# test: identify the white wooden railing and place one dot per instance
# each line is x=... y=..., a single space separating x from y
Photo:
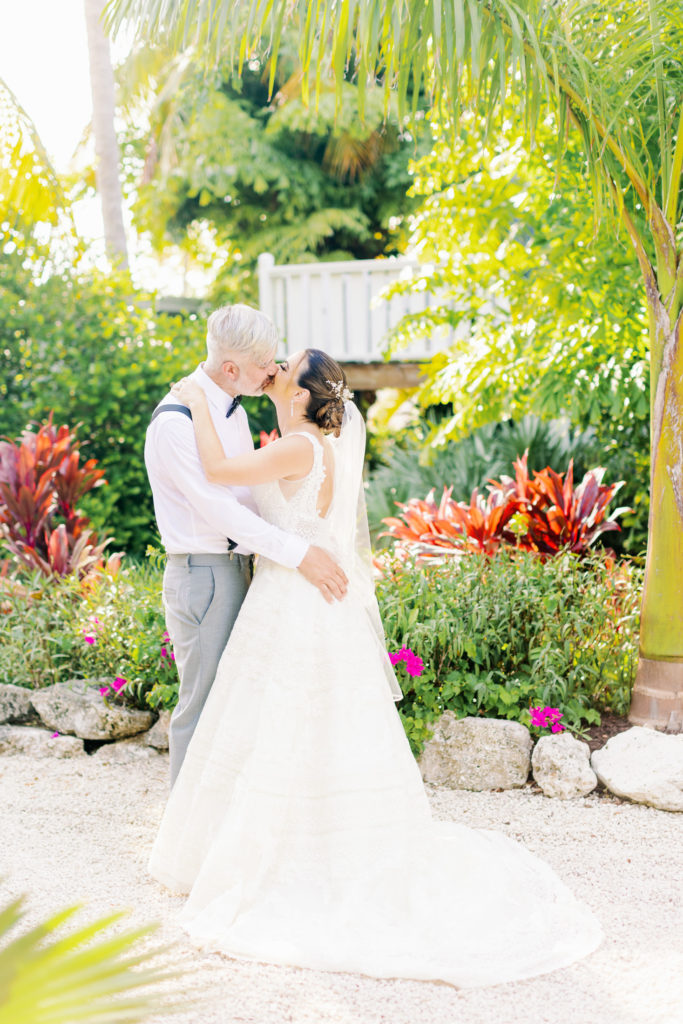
x=337 y=307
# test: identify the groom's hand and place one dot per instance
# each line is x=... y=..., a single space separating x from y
x=320 y=569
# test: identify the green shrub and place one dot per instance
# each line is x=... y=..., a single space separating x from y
x=498 y=635
x=90 y=349
x=105 y=627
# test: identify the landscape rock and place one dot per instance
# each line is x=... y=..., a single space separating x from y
x=157 y=736
x=477 y=754
x=643 y=765
x=15 y=705
x=78 y=708
x=26 y=739
x=561 y=766
x=125 y=751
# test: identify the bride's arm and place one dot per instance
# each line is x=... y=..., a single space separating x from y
x=288 y=456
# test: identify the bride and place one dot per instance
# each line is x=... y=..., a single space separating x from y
x=299 y=825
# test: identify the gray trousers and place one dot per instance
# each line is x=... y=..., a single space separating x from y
x=202 y=596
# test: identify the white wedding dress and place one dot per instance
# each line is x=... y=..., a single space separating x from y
x=299 y=825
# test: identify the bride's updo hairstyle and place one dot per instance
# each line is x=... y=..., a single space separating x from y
x=324 y=378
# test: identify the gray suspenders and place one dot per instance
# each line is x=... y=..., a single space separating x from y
x=170 y=407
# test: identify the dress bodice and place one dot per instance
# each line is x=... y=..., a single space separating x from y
x=297 y=511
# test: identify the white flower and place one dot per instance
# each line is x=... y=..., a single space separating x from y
x=340 y=390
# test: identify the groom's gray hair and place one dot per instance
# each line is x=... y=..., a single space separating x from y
x=239 y=328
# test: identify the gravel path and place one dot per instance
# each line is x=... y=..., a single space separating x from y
x=78 y=832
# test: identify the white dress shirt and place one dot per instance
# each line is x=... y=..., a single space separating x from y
x=194 y=516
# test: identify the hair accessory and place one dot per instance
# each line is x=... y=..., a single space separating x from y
x=340 y=390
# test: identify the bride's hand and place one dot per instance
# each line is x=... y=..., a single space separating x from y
x=187 y=391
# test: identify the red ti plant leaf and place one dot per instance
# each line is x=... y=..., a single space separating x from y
x=41 y=479
x=545 y=514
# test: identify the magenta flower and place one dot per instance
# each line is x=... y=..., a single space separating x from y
x=164 y=652
x=119 y=683
x=89 y=639
x=414 y=664
x=544 y=718
x=54 y=735
x=538 y=717
x=103 y=690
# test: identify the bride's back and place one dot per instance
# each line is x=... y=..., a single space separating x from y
x=300 y=506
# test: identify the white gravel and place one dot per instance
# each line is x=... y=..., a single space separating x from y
x=74 y=831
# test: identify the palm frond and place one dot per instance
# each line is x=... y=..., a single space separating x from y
x=617 y=67
x=91 y=974
x=30 y=190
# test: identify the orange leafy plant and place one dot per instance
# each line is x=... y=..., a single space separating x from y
x=545 y=514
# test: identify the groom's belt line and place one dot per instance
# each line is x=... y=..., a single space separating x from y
x=218 y=558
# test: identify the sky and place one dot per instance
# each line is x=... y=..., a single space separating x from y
x=44 y=61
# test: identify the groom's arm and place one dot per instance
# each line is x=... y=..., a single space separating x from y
x=175 y=458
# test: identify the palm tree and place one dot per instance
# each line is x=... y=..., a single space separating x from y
x=30 y=191
x=106 y=142
x=611 y=72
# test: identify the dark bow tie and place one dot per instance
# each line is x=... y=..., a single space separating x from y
x=233 y=405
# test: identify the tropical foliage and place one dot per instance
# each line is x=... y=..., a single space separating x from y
x=109 y=626
x=34 y=207
x=94 y=974
x=613 y=74
x=91 y=351
x=546 y=514
x=561 y=633
x=408 y=464
x=227 y=171
x=546 y=304
x=41 y=482
x=30 y=191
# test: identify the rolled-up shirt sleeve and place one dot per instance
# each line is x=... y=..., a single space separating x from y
x=175 y=460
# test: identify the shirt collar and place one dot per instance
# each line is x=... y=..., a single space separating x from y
x=216 y=396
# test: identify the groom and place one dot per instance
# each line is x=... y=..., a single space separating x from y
x=209 y=531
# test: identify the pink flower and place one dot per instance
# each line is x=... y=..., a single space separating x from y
x=54 y=735
x=91 y=631
x=103 y=690
x=119 y=683
x=414 y=664
x=164 y=652
x=544 y=717
x=172 y=656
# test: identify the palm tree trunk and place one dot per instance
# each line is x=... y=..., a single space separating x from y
x=658 y=693
x=106 y=143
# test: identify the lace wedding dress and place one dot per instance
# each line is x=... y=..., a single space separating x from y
x=299 y=825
